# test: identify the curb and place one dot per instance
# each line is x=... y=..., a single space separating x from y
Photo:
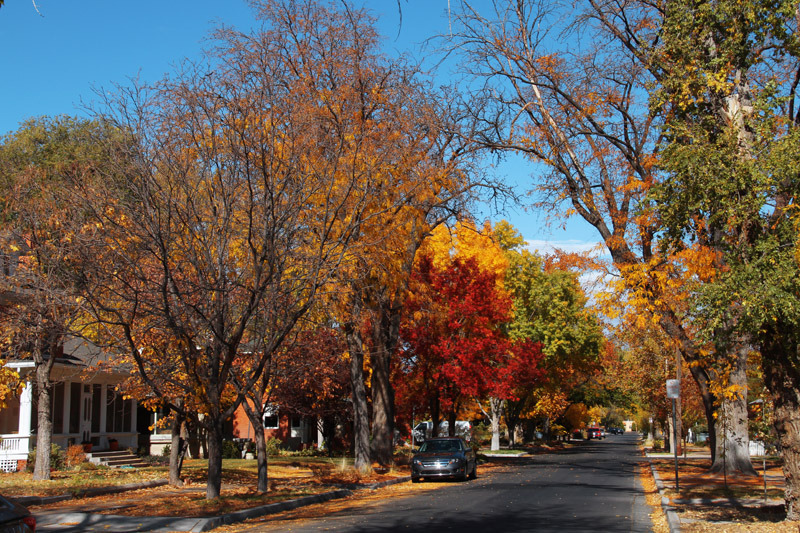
x=253 y=512
x=206 y=524
x=673 y=521
x=727 y=502
x=197 y=525
x=99 y=491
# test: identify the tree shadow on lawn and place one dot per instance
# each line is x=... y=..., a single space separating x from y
x=774 y=513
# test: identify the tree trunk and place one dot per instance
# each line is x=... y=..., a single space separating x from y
x=329 y=434
x=214 y=484
x=386 y=334
x=513 y=416
x=361 y=449
x=255 y=417
x=496 y=412
x=435 y=414
x=512 y=432
x=451 y=424
x=519 y=433
x=783 y=381
x=701 y=378
x=668 y=438
x=262 y=460
x=672 y=327
x=177 y=447
x=732 y=453
x=194 y=440
x=44 y=428
x=382 y=445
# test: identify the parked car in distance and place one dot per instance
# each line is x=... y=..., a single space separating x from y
x=616 y=431
x=424 y=430
x=14 y=518
x=444 y=457
x=594 y=433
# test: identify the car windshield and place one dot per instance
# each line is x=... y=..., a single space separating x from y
x=440 y=446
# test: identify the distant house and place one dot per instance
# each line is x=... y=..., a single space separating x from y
x=85 y=407
x=295 y=432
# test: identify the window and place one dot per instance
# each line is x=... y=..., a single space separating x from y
x=97 y=390
x=118 y=413
x=9 y=419
x=57 y=410
x=271 y=420
x=74 y=407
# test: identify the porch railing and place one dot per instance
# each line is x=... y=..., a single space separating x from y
x=14 y=444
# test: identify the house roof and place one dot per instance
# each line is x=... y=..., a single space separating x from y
x=78 y=353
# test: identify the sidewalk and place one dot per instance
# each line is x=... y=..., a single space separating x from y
x=81 y=518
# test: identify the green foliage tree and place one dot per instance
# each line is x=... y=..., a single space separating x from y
x=549 y=308
x=728 y=88
x=581 y=116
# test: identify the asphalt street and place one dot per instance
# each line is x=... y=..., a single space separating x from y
x=593 y=486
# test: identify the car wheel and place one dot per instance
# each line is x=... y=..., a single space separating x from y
x=474 y=472
x=416 y=479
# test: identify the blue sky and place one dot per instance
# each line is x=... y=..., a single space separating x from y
x=52 y=60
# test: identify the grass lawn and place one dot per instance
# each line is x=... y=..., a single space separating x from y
x=289 y=478
x=74 y=481
x=696 y=482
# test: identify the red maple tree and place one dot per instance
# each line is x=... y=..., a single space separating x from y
x=454 y=346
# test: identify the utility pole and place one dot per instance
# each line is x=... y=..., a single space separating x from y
x=677 y=406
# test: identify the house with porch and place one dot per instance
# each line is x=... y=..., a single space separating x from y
x=86 y=408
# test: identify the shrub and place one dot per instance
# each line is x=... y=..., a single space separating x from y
x=311 y=451
x=481 y=434
x=166 y=450
x=75 y=456
x=57 y=458
x=155 y=460
x=87 y=466
x=273 y=446
x=230 y=450
x=558 y=431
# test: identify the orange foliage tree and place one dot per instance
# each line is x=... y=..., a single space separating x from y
x=251 y=176
x=43 y=237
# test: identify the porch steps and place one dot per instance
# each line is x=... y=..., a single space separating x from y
x=115 y=459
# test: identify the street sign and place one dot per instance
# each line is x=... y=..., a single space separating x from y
x=673 y=388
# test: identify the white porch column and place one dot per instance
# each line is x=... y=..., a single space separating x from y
x=320 y=437
x=25 y=406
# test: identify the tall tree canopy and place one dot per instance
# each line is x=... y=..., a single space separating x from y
x=45 y=238
x=728 y=80
x=252 y=176
x=581 y=115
